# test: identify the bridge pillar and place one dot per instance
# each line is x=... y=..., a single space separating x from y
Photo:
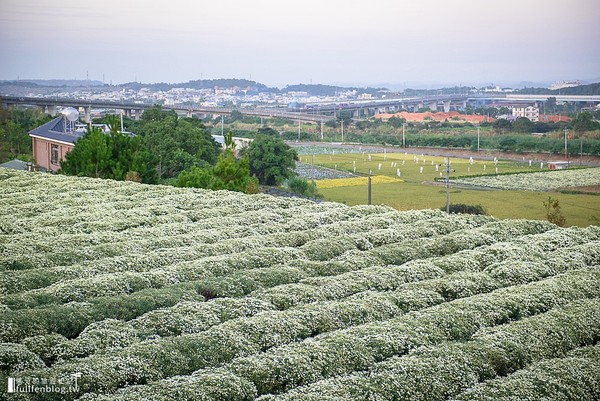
x=87 y=113
x=446 y=106
x=138 y=113
x=127 y=113
x=189 y=113
x=433 y=106
x=420 y=105
x=50 y=110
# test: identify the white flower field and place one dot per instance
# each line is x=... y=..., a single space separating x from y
x=161 y=293
x=540 y=181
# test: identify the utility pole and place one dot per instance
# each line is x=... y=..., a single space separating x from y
x=447 y=179
x=298 y=131
x=566 y=153
x=369 y=188
x=342 y=130
x=321 y=130
x=403 y=141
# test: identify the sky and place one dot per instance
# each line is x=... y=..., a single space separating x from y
x=278 y=42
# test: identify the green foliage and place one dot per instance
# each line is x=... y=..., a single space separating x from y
x=501 y=123
x=584 y=122
x=176 y=144
x=15 y=123
x=553 y=212
x=229 y=173
x=113 y=156
x=465 y=209
x=523 y=125
x=268 y=131
x=271 y=160
x=301 y=186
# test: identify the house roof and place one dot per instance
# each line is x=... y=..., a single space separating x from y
x=15 y=164
x=55 y=130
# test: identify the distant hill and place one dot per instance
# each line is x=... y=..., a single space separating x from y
x=443 y=91
x=327 y=90
x=590 y=89
x=228 y=83
x=52 y=82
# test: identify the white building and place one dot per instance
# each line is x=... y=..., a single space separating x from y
x=564 y=84
x=530 y=112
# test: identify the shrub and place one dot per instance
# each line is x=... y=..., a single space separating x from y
x=465 y=209
x=301 y=186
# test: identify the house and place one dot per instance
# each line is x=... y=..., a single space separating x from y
x=527 y=111
x=53 y=140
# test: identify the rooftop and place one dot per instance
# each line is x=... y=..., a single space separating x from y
x=58 y=130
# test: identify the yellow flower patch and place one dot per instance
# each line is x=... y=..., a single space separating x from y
x=354 y=181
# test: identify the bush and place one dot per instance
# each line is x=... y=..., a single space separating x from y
x=465 y=209
x=301 y=186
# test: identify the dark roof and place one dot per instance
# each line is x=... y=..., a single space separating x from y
x=15 y=165
x=55 y=130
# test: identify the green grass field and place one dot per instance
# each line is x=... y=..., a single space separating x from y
x=414 y=190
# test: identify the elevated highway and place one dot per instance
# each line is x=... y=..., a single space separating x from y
x=50 y=105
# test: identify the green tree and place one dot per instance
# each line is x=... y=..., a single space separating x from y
x=15 y=124
x=396 y=122
x=271 y=160
x=523 y=125
x=268 y=131
x=176 y=144
x=91 y=156
x=501 y=123
x=229 y=173
x=112 y=155
x=584 y=122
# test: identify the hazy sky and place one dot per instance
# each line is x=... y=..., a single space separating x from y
x=280 y=42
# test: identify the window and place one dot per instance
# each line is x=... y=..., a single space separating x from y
x=54 y=154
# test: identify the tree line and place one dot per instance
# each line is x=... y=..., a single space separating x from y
x=179 y=151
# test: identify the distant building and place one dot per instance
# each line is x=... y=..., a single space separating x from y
x=564 y=84
x=558 y=165
x=527 y=111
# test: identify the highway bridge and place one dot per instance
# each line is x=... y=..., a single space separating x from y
x=315 y=112
x=50 y=105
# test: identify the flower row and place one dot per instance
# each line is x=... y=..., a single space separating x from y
x=537 y=181
x=445 y=370
x=331 y=354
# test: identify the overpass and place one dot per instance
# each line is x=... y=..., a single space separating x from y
x=370 y=107
x=435 y=102
x=135 y=109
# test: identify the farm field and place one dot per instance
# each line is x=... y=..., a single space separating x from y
x=414 y=189
x=124 y=291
